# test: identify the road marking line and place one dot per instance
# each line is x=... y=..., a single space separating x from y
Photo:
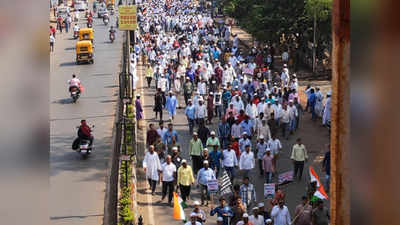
x=148 y=196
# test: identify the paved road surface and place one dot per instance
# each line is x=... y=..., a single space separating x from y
x=77 y=185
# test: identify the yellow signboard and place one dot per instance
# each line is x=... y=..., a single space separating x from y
x=127 y=17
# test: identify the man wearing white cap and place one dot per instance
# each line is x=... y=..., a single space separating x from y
x=168 y=175
x=185 y=179
x=256 y=218
x=200 y=214
x=326 y=117
x=204 y=175
x=187 y=90
x=246 y=162
x=201 y=111
x=193 y=220
x=152 y=168
x=245 y=220
x=213 y=142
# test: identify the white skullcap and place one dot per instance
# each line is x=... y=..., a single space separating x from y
x=245 y=215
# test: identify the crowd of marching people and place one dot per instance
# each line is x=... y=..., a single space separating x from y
x=186 y=53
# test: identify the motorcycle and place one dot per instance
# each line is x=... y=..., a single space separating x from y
x=76 y=34
x=74 y=94
x=89 y=24
x=85 y=149
x=112 y=37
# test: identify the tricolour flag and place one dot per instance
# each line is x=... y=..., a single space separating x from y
x=320 y=192
x=178 y=214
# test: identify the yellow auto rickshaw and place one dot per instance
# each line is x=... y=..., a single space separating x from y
x=84 y=51
x=86 y=34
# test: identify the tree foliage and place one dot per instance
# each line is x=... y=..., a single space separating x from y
x=287 y=20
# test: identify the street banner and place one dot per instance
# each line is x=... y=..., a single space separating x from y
x=212 y=186
x=127 y=17
x=285 y=177
x=269 y=190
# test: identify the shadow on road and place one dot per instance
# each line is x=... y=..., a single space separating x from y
x=70 y=48
x=63 y=101
x=68 y=64
x=73 y=217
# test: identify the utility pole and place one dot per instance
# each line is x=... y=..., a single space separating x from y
x=314 y=40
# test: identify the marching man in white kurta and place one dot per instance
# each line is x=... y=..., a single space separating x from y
x=152 y=167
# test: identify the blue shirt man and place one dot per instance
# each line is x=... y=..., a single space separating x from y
x=247 y=126
x=167 y=139
x=190 y=112
x=204 y=175
x=222 y=211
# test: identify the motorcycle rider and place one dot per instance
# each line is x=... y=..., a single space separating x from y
x=89 y=21
x=112 y=31
x=76 y=30
x=85 y=132
x=74 y=82
x=106 y=16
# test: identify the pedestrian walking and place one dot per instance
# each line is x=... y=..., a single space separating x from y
x=212 y=142
x=274 y=144
x=149 y=74
x=190 y=113
x=139 y=109
x=200 y=214
x=246 y=162
x=168 y=175
x=320 y=215
x=248 y=193
x=280 y=214
x=303 y=213
x=224 y=133
x=152 y=168
x=185 y=179
x=195 y=150
x=52 y=41
x=261 y=149
x=299 y=157
x=222 y=210
x=326 y=166
x=171 y=105
x=268 y=166
x=229 y=161
x=215 y=164
x=159 y=102
x=204 y=175
x=245 y=220
x=257 y=218
x=151 y=135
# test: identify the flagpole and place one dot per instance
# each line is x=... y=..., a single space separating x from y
x=302 y=210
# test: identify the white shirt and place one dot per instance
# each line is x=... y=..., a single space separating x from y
x=275 y=146
x=201 y=111
x=246 y=161
x=168 y=171
x=76 y=28
x=280 y=216
x=292 y=112
x=260 y=107
x=74 y=82
x=152 y=164
x=236 y=130
x=162 y=132
x=277 y=111
x=285 y=116
x=52 y=39
x=229 y=158
x=238 y=105
x=190 y=223
x=257 y=221
x=251 y=111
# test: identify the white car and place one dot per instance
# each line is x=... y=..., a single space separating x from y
x=80 y=6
